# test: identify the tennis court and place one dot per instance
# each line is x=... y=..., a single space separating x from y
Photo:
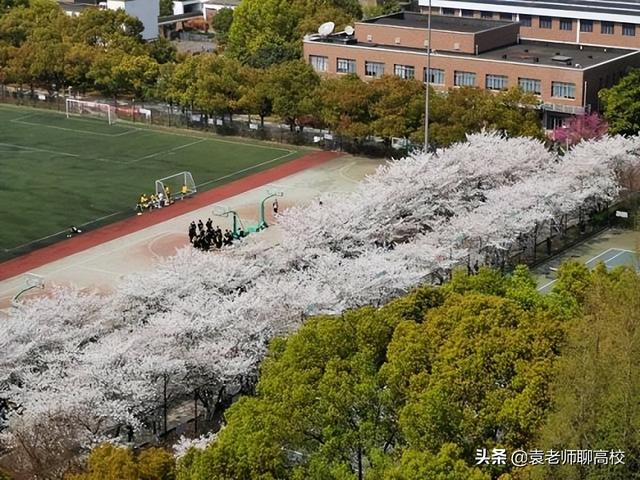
x=58 y=171
x=612 y=258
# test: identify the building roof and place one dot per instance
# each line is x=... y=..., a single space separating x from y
x=438 y=22
x=556 y=54
x=527 y=52
x=611 y=9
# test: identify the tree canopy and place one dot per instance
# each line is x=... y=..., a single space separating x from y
x=622 y=104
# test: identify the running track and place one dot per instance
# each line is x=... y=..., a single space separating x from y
x=90 y=239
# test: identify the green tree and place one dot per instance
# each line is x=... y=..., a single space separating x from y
x=383 y=7
x=402 y=392
x=597 y=380
x=220 y=81
x=256 y=94
x=466 y=110
x=109 y=462
x=292 y=85
x=398 y=107
x=166 y=8
x=265 y=32
x=345 y=104
x=221 y=25
x=622 y=104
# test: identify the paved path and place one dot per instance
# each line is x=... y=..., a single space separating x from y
x=98 y=259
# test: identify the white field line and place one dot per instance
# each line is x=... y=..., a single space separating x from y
x=33 y=149
x=74 y=130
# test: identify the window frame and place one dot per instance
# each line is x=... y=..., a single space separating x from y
x=436 y=73
x=318 y=57
x=368 y=64
x=542 y=22
x=494 y=76
x=564 y=22
x=405 y=69
x=463 y=74
x=350 y=61
x=565 y=88
x=533 y=81
x=604 y=28
x=629 y=27
x=584 y=24
x=525 y=20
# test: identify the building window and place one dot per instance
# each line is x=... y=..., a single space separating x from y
x=628 y=30
x=373 y=69
x=563 y=90
x=437 y=76
x=486 y=14
x=530 y=85
x=318 y=63
x=525 y=20
x=346 y=65
x=448 y=11
x=545 y=22
x=606 y=28
x=566 y=24
x=405 y=71
x=496 y=82
x=586 y=25
x=464 y=79
x=506 y=16
x=466 y=13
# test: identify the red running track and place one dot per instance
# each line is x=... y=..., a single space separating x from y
x=71 y=246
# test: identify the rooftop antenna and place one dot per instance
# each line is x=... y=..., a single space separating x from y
x=326 y=29
x=349 y=30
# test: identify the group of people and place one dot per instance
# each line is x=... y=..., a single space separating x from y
x=158 y=199
x=204 y=236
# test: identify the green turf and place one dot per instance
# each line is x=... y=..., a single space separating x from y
x=56 y=172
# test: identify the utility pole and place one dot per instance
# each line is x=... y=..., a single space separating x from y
x=426 y=108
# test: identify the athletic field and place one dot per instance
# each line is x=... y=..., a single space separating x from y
x=57 y=172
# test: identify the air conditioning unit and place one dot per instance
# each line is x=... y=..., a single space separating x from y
x=397 y=40
x=456 y=46
x=369 y=38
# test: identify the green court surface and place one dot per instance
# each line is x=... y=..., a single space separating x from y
x=56 y=171
x=612 y=257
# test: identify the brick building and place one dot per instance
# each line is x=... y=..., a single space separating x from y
x=587 y=22
x=476 y=52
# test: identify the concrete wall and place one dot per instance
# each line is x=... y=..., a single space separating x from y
x=145 y=10
x=440 y=40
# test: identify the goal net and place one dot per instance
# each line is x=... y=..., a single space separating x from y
x=179 y=185
x=92 y=109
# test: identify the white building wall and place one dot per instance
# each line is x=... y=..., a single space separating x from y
x=147 y=11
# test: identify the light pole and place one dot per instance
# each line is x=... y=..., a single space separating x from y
x=426 y=106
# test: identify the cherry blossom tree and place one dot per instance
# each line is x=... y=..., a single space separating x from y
x=199 y=324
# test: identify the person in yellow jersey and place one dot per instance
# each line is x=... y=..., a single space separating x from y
x=167 y=193
x=184 y=191
x=141 y=203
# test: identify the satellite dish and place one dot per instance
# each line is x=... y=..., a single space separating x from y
x=349 y=30
x=326 y=29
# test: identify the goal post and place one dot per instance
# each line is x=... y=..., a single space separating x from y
x=179 y=185
x=92 y=109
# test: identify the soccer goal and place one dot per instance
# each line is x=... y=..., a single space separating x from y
x=92 y=109
x=179 y=185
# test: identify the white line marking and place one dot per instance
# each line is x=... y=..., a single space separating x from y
x=598 y=256
x=33 y=149
x=621 y=252
x=60 y=232
x=547 y=285
x=22 y=122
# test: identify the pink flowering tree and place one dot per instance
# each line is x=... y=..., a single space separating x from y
x=581 y=127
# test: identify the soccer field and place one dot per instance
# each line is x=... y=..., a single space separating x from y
x=57 y=172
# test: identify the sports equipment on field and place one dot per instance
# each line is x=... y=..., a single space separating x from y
x=175 y=183
x=92 y=109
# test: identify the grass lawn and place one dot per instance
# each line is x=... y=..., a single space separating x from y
x=57 y=172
